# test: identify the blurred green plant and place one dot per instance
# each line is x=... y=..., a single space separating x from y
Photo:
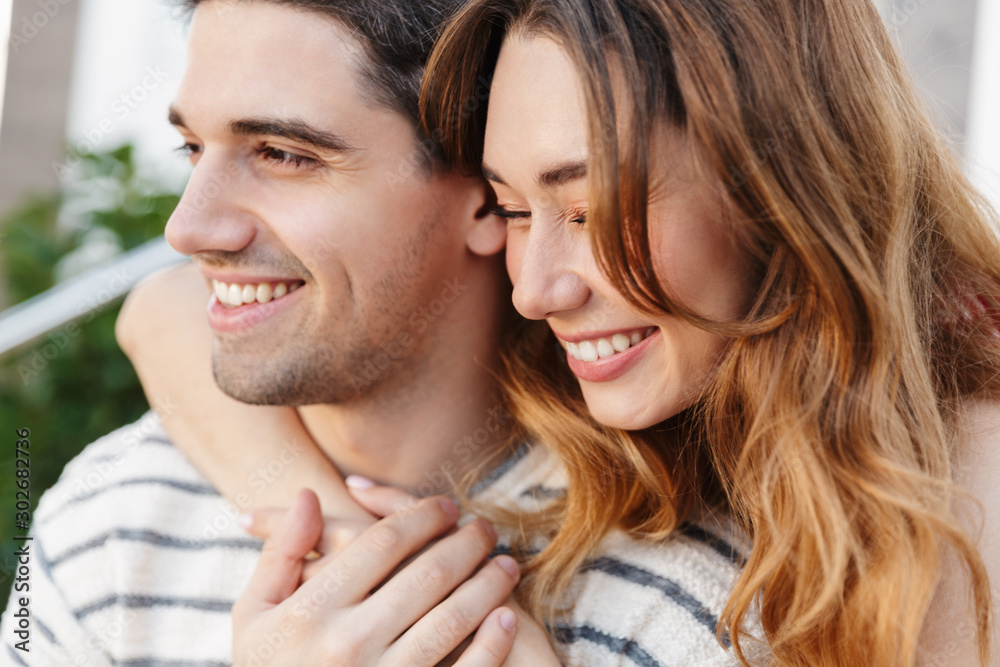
x=89 y=388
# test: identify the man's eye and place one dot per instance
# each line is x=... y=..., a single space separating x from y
x=284 y=158
x=509 y=215
x=188 y=150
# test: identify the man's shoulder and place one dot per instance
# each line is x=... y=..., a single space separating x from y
x=134 y=482
x=135 y=455
x=131 y=538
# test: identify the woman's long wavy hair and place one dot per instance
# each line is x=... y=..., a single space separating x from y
x=831 y=424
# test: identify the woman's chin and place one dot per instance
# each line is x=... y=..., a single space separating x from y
x=624 y=411
x=626 y=417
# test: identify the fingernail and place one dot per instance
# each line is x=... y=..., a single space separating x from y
x=245 y=521
x=449 y=506
x=358 y=482
x=508 y=620
x=509 y=565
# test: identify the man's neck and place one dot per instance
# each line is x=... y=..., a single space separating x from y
x=424 y=445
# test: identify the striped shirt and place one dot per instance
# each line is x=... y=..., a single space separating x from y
x=137 y=559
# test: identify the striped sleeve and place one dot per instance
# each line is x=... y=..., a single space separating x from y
x=635 y=602
x=649 y=604
x=137 y=560
x=55 y=636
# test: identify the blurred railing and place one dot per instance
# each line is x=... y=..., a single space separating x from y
x=85 y=294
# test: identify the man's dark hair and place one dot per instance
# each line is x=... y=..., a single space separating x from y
x=397 y=36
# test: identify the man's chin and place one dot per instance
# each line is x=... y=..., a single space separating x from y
x=253 y=393
x=275 y=387
x=255 y=388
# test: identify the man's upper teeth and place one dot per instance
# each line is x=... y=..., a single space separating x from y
x=237 y=294
x=602 y=348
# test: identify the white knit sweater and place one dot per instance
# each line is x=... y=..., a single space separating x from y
x=136 y=561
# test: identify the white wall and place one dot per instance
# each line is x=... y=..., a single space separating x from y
x=6 y=11
x=983 y=148
x=128 y=64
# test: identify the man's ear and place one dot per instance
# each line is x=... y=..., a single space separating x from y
x=487 y=233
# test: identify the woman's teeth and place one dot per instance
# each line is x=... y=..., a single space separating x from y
x=602 y=348
x=232 y=295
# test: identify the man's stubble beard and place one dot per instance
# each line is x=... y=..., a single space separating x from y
x=323 y=368
x=291 y=378
x=330 y=368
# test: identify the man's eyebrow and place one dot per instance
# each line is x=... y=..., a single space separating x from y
x=290 y=129
x=296 y=130
x=174 y=117
x=550 y=178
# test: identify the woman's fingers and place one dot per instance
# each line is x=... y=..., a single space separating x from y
x=532 y=646
x=493 y=641
x=447 y=625
x=377 y=499
x=337 y=534
x=433 y=594
x=433 y=575
x=280 y=567
x=369 y=559
x=261 y=523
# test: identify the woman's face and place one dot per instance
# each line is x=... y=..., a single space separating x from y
x=635 y=369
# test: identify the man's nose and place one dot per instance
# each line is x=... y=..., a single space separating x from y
x=550 y=280
x=211 y=215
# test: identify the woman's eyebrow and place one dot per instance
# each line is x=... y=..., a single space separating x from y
x=550 y=178
x=562 y=174
x=491 y=175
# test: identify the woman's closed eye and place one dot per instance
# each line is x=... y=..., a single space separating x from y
x=508 y=214
x=575 y=216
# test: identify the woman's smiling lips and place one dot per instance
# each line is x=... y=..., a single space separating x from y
x=605 y=356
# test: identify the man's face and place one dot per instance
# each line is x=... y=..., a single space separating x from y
x=308 y=206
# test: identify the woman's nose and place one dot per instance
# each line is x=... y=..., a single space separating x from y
x=547 y=278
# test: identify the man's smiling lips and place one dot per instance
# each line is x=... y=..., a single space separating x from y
x=233 y=295
x=243 y=302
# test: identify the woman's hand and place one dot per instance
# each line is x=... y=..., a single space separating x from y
x=337 y=532
x=532 y=645
x=352 y=612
